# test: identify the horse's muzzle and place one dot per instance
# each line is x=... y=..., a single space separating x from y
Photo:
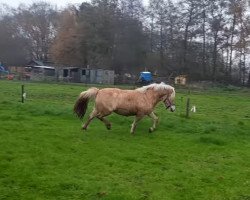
x=171 y=108
x=169 y=105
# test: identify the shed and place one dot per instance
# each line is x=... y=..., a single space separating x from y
x=86 y=75
x=180 y=80
x=42 y=73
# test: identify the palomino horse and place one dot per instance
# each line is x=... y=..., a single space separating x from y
x=139 y=103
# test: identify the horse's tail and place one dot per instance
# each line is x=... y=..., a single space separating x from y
x=82 y=101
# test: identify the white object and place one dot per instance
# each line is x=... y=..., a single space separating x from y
x=24 y=95
x=193 y=109
x=172 y=107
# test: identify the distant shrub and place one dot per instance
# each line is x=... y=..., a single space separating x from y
x=231 y=88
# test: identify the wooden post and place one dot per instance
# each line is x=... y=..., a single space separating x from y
x=22 y=97
x=188 y=107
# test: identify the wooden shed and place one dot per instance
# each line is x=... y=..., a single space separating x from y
x=180 y=80
x=42 y=73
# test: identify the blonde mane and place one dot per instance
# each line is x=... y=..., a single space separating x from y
x=155 y=86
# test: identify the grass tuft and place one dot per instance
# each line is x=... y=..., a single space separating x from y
x=211 y=140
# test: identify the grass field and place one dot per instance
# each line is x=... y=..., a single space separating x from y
x=45 y=155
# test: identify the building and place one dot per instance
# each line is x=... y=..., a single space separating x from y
x=42 y=73
x=180 y=80
x=39 y=71
x=86 y=75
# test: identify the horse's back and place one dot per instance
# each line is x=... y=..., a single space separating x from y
x=117 y=95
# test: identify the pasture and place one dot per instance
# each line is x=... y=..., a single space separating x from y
x=45 y=155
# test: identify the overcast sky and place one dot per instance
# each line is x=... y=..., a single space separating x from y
x=59 y=3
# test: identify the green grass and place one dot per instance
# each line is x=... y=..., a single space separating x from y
x=45 y=155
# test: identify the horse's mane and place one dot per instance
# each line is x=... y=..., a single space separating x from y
x=155 y=86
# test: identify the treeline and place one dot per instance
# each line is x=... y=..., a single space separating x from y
x=204 y=39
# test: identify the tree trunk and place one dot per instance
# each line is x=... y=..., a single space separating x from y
x=240 y=67
x=161 y=49
x=248 y=82
x=244 y=66
x=151 y=34
x=204 y=45
x=185 y=49
x=215 y=56
x=231 y=49
x=227 y=55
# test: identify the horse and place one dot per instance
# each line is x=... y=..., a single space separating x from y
x=139 y=102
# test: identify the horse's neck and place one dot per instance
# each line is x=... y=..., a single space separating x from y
x=154 y=96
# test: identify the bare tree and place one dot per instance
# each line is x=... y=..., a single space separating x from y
x=10 y=41
x=190 y=16
x=216 y=23
x=37 y=23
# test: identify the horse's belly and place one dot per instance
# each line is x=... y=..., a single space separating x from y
x=125 y=112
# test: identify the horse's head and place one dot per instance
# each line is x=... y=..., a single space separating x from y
x=165 y=93
x=169 y=103
x=168 y=98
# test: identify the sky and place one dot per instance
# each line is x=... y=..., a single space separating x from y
x=59 y=3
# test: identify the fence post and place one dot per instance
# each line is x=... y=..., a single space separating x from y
x=188 y=107
x=22 y=97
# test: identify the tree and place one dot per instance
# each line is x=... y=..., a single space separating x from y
x=204 y=24
x=190 y=15
x=133 y=8
x=242 y=42
x=101 y=35
x=216 y=23
x=97 y=23
x=37 y=23
x=65 y=49
x=157 y=12
x=10 y=41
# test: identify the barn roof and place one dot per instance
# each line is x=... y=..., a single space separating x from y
x=44 y=67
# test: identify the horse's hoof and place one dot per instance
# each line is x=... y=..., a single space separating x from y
x=150 y=130
x=109 y=127
x=84 y=128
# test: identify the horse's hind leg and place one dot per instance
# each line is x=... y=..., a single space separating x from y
x=155 y=121
x=105 y=121
x=136 y=120
x=91 y=117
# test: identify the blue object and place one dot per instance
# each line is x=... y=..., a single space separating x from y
x=146 y=76
x=3 y=70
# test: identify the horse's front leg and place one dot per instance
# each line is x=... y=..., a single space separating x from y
x=155 y=121
x=136 y=120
